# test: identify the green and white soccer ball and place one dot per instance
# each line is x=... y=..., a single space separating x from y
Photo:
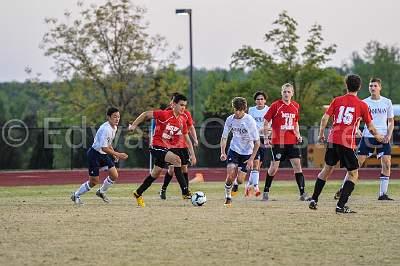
x=199 y=198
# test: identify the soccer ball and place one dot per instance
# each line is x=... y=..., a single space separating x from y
x=199 y=198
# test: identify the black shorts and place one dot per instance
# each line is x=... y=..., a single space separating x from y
x=346 y=156
x=97 y=160
x=261 y=151
x=183 y=153
x=281 y=152
x=238 y=159
x=158 y=154
x=368 y=146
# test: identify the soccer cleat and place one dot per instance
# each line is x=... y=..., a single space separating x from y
x=303 y=197
x=257 y=191
x=163 y=194
x=265 y=196
x=187 y=196
x=228 y=202
x=345 y=209
x=102 y=196
x=76 y=200
x=139 y=199
x=235 y=189
x=313 y=205
x=384 y=197
x=338 y=194
x=247 y=191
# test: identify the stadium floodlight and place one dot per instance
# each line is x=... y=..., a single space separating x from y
x=185 y=12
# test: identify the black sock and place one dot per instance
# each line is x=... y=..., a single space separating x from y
x=300 y=182
x=145 y=185
x=167 y=180
x=319 y=185
x=186 y=176
x=348 y=187
x=268 y=182
x=181 y=180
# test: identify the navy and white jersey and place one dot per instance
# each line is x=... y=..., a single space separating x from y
x=258 y=115
x=244 y=132
x=380 y=110
x=104 y=137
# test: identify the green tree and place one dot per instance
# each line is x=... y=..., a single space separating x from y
x=107 y=56
x=269 y=70
x=378 y=60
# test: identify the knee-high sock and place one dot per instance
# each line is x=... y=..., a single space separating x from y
x=300 y=182
x=384 y=184
x=107 y=183
x=145 y=185
x=228 y=190
x=268 y=182
x=319 y=185
x=181 y=180
x=186 y=176
x=167 y=180
x=82 y=189
x=254 y=177
x=348 y=187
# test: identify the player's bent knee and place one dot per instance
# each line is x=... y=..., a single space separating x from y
x=352 y=176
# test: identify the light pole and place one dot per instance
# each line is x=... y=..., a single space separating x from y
x=191 y=92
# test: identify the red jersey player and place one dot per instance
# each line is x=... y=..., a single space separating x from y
x=283 y=116
x=182 y=151
x=170 y=129
x=346 y=111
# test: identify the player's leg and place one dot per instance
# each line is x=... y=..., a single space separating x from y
x=293 y=153
x=361 y=159
x=349 y=160
x=254 y=178
x=167 y=179
x=384 y=178
x=109 y=180
x=231 y=173
x=276 y=153
x=331 y=159
x=107 y=183
x=175 y=160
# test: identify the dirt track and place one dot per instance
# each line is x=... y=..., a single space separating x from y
x=58 y=177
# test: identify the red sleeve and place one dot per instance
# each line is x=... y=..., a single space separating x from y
x=298 y=112
x=158 y=114
x=331 y=108
x=189 y=121
x=271 y=112
x=365 y=114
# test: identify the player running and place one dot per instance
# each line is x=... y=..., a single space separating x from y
x=243 y=147
x=99 y=155
x=283 y=116
x=346 y=112
x=182 y=152
x=170 y=128
x=381 y=110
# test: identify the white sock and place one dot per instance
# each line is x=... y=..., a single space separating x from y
x=255 y=176
x=383 y=188
x=228 y=190
x=82 y=189
x=106 y=184
x=344 y=180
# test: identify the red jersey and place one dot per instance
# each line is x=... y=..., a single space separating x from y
x=346 y=111
x=170 y=130
x=284 y=118
x=189 y=122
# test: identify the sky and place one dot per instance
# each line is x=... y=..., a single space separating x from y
x=220 y=27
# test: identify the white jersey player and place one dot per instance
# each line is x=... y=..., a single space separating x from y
x=243 y=147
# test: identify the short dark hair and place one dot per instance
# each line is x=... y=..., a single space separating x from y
x=239 y=104
x=173 y=95
x=179 y=97
x=111 y=110
x=377 y=80
x=353 y=82
x=258 y=93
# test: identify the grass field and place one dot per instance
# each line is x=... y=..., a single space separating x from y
x=40 y=226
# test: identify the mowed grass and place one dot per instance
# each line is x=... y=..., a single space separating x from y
x=40 y=226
